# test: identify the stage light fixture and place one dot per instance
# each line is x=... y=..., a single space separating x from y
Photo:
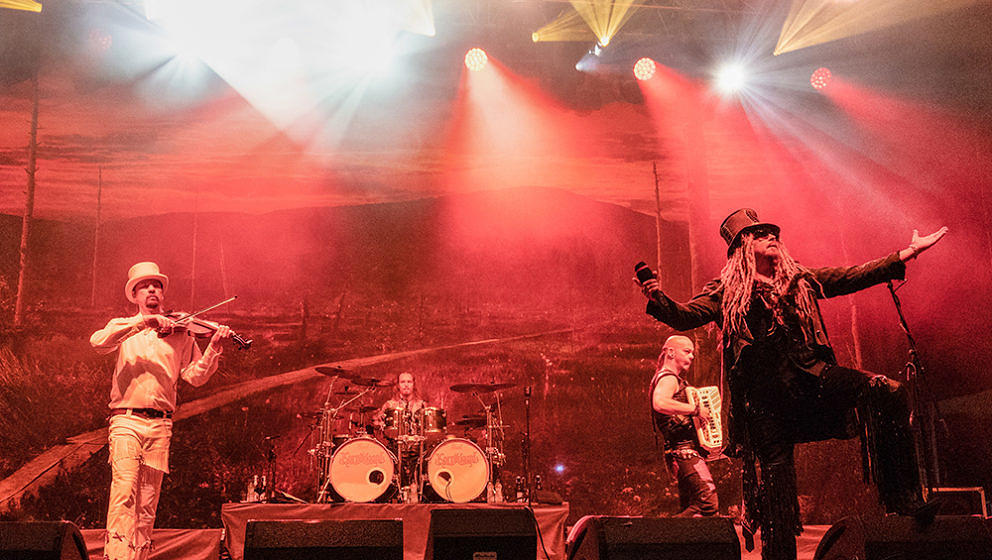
x=476 y=59
x=731 y=78
x=820 y=78
x=644 y=69
x=535 y=36
x=25 y=5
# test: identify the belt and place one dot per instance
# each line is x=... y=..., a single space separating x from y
x=143 y=412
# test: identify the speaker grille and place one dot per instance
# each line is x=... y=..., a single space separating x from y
x=379 y=539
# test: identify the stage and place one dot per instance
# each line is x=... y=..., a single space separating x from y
x=206 y=544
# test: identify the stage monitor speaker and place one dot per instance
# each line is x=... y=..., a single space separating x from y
x=599 y=537
x=902 y=538
x=369 y=539
x=41 y=540
x=474 y=534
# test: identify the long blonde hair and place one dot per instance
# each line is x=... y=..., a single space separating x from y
x=792 y=283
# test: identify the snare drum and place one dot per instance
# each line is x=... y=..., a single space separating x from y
x=433 y=422
x=361 y=469
x=458 y=470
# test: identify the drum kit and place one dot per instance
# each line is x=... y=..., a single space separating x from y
x=406 y=453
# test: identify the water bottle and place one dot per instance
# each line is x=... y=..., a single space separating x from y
x=498 y=492
x=252 y=495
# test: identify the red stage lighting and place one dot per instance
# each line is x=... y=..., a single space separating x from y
x=476 y=59
x=820 y=78
x=644 y=69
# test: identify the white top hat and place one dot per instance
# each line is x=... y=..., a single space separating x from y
x=143 y=271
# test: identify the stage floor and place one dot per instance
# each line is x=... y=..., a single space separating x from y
x=205 y=544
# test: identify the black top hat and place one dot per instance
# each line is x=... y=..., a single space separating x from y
x=742 y=221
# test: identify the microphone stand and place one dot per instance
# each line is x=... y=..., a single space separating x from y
x=526 y=444
x=924 y=415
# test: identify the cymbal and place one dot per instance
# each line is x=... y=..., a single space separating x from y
x=481 y=387
x=346 y=392
x=333 y=371
x=471 y=422
x=365 y=381
x=364 y=409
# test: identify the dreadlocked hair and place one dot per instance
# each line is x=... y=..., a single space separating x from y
x=792 y=284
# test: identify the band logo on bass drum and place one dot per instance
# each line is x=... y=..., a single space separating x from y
x=361 y=459
x=457 y=459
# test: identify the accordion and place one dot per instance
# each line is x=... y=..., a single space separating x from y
x=710 y=432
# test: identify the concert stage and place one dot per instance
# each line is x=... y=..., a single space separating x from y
x=204 y=544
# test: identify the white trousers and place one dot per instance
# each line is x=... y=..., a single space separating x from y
x=139 y=458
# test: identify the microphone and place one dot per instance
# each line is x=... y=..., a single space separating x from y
x=643 y=272
x=445 y=476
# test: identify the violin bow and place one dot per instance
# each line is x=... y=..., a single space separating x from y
x=210 y=308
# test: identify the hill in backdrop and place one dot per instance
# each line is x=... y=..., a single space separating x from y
x=519 y=249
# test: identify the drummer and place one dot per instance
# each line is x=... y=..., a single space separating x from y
x=403 y=414
x=405 y=397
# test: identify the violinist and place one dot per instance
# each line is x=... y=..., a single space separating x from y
x=152 y=355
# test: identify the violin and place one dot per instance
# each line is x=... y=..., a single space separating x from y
x=199 y=328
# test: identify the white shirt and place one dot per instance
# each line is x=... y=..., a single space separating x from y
x=148 y=367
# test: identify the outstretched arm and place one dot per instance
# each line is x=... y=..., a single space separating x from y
x=698 y=311
x=920 y=244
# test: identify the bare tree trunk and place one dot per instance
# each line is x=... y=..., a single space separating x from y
x=96 y=236
x=192 y=271
x=657 y=206
x=29 y=203
x=223 y=271
x=304 y=319
x=340 y=312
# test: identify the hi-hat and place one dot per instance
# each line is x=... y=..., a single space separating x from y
x=481 y=387
x=371 y=382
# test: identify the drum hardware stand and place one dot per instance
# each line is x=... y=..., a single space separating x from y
x=494 y=452
x=328 y=415
x=924 y=414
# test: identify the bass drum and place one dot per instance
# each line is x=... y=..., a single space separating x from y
x=457 y=470
x=361 y=469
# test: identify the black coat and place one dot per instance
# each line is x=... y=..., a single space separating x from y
x=707 y=307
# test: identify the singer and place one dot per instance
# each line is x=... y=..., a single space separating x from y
x=784 y=381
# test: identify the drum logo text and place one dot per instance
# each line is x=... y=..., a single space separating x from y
x=361 y=459
x=458 y=459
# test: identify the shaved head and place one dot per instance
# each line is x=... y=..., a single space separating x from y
x=677 y=341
